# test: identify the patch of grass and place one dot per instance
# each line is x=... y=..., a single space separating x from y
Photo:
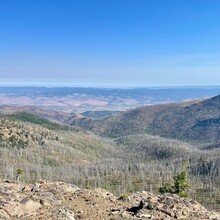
x=123 y=196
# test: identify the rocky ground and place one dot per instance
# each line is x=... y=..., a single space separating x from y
x=56 y=200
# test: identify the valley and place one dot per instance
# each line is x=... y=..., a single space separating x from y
x=109 y=110
x=135 y=150
x=81 y=99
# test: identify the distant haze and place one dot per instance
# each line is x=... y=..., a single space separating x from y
x=72 y=100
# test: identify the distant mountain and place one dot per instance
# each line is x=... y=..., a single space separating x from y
x=197 y=121
x=100 y=114
x=77 y=100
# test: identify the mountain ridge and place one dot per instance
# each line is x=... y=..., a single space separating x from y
x=124 y=164
x=57 y=116
x=184 y=121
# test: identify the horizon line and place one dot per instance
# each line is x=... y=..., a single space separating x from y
x=63 y=85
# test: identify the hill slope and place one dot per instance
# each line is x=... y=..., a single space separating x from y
x=44 y=149
x=43 y=113
x=190 y=121
x=150 y=147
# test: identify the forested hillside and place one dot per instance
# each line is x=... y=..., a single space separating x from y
x=37 y=148
x=195 y=121
x=57 y=116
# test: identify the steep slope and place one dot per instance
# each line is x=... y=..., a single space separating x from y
x=190 y=121
x=44 y=149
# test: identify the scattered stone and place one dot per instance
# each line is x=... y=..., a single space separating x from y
x=24 y=207
x=146 y=216
x=4 y=215
x=126 y=215
x=56 y=200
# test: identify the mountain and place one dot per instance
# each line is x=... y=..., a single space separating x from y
x=194 y=121
x=78 y=100
x=46 y=149
x=99 y=114
x=43 y=149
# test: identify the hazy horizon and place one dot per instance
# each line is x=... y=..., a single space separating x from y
x=101 y=86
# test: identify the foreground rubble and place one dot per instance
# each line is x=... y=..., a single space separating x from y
x=56 y=200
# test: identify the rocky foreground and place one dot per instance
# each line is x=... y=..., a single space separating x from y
x=56 y=200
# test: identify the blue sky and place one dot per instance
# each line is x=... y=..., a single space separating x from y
x=110 y=42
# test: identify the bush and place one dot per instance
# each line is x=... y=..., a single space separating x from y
x=166 y=188
x=18 y=173
x=123 y=196
x=181 y=183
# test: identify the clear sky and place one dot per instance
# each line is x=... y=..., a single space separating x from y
x=110 y=42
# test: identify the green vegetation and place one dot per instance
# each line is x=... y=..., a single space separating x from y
x=166 y=188
x=19 y=172
x=150 y=206
x=136 y=162
x=34 y=119
x=19 y=135
x=181 y=183
x=123 y=196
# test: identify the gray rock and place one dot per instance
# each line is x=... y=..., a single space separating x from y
x=126 y=215
x=4 y=215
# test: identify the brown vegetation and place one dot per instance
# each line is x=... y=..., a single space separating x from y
x=51 y=151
